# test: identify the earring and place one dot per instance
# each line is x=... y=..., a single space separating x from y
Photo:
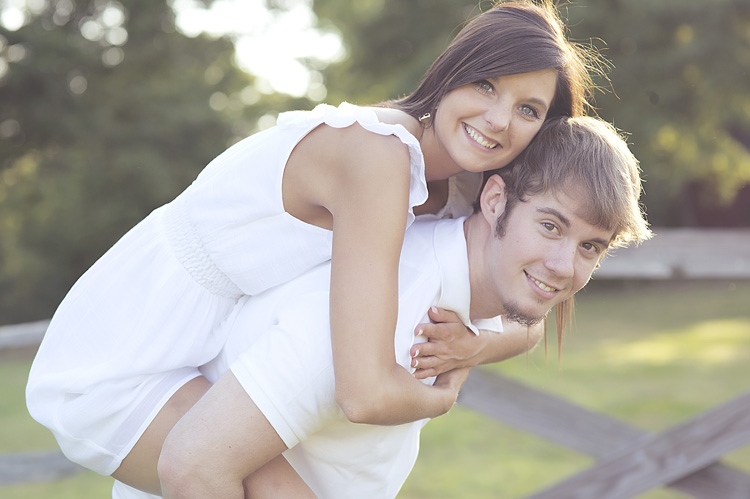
x=425 y=117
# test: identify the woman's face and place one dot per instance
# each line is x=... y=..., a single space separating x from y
x=484 y=125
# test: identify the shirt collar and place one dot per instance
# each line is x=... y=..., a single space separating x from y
x=453 y=261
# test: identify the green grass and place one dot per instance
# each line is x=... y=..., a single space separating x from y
x=650 y=354
x=20 y=433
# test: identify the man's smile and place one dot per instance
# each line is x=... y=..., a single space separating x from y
x=541 y=285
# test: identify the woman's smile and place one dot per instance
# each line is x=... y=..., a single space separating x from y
x=480 y=139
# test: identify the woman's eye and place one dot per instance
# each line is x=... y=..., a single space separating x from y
x=485 y=87
x=530 y=111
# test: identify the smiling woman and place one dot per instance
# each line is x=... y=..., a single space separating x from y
x=484 y=112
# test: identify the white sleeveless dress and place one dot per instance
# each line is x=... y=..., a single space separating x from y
x=139 y=322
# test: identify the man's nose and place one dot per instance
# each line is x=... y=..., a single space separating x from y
x=561 y=260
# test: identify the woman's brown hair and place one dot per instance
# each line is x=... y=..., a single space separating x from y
x=511 y=38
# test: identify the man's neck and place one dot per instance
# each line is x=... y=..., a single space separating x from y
x=476 y=233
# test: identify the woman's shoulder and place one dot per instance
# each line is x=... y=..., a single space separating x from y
x=375 y=135
x=372 y=143
x=394 y=116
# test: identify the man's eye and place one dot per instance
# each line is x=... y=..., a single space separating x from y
x=592 y=248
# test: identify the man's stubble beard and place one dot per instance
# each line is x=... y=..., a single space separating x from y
x=513 y=311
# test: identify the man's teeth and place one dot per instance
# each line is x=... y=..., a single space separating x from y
x=542 y=285
x=479 y=138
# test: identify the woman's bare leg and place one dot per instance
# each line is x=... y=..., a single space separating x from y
x=276 y=479
x=138 y=469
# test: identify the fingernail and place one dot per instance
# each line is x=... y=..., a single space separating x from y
x=416 y=354
x=420 y=331
x=416 y=362
x=434 y=309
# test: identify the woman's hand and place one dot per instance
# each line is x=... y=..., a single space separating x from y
x=450 y=345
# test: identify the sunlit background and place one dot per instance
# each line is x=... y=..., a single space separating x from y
x=110 y=108
x=269 y=43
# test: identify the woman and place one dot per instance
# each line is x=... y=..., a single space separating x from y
x=335 y=183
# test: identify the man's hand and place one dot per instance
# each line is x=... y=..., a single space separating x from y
x=450 y=345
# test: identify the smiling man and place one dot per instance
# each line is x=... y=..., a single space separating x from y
x=541 y=227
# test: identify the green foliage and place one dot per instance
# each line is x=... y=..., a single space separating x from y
x=677 y=86
x=98 y=130
x=106 y=112
x=390 y=44
x=680 y=69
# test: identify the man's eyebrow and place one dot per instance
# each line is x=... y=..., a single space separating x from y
x=566 y=222
x=555 y=213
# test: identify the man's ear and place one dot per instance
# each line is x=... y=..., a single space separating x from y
x=492 y=199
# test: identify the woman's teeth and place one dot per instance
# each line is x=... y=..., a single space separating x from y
x=479 y=138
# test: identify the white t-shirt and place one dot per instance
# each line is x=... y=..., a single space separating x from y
x=279 y=349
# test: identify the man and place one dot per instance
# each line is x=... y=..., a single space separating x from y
x=541 y=228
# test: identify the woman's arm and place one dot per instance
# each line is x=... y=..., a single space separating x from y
x=452 y=345
x=369 y=205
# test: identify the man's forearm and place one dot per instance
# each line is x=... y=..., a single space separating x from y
x=514 y=340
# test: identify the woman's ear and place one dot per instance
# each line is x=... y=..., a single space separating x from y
x=492 y=199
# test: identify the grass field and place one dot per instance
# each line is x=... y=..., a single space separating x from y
x=650 y=354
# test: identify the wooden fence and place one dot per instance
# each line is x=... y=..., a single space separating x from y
x=629 y=461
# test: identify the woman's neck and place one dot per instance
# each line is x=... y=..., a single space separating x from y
x=437 y=197
x=438 y=164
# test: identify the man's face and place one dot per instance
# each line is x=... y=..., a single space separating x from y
x=547 y=253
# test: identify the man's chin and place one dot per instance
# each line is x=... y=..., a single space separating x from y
x=514 y=313
x=524 y=321
x=522 y=318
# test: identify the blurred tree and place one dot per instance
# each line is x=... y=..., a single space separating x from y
x=678 y=85
x=105 y=113
x=390 y=44
x=680 y=78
